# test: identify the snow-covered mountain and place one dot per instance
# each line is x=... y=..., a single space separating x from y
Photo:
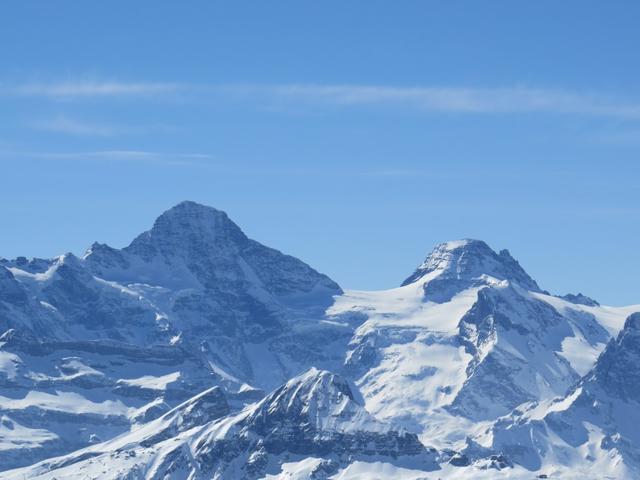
x=593 y=427
x=152 y=361
x=96 y=344
x=466 y=339
x=313 y=415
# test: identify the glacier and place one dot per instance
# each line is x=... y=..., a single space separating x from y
x=198 y=353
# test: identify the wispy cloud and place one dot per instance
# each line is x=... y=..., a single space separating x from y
x=449 y=99
x=88 y=89
x=454 y=99
x=166 y=158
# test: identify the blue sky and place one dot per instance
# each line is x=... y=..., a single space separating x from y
x=355 y=135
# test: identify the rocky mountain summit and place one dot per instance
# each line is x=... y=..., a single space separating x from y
x=457 y=265
x=195 y=246
x=154 y=361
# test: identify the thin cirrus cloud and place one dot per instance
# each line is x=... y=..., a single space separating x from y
x=455 y=99
x=89 y=89
x=449 y=99
x=138 y=156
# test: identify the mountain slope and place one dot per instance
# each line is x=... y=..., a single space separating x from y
x=466 y=339
x=314 y=414
x=593 y=429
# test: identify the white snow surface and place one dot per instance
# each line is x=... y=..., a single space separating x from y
x=151 y=382
x=64 y=402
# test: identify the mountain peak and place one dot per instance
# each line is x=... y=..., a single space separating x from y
x=192 y=211
x=317 y=398
x=580 y=299
x=192 y=245
x=308 y=384
x=189 y=226
x=192 y=216
x=463 y=261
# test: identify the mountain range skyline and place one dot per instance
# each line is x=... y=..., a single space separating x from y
x=186 y=202
x=197 y=352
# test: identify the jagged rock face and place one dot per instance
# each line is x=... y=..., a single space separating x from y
x=10 y=290
x=190 y=231
x=618 y=369
x=580 y=299
x=202 y=409
x=317 y=399
x=313 y=415
x=599 y=415
x=454 y=266
x=100 y=310
x=205 y=245
x=34 y=265
x=194 y=274
x=513 y=341
x=211 y=277
x=67 y=302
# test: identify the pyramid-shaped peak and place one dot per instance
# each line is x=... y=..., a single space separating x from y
x=469 y=259
x=189 y=224
x=464 y=243
x=194 y=215
x=189 y=206
x=192 y=246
